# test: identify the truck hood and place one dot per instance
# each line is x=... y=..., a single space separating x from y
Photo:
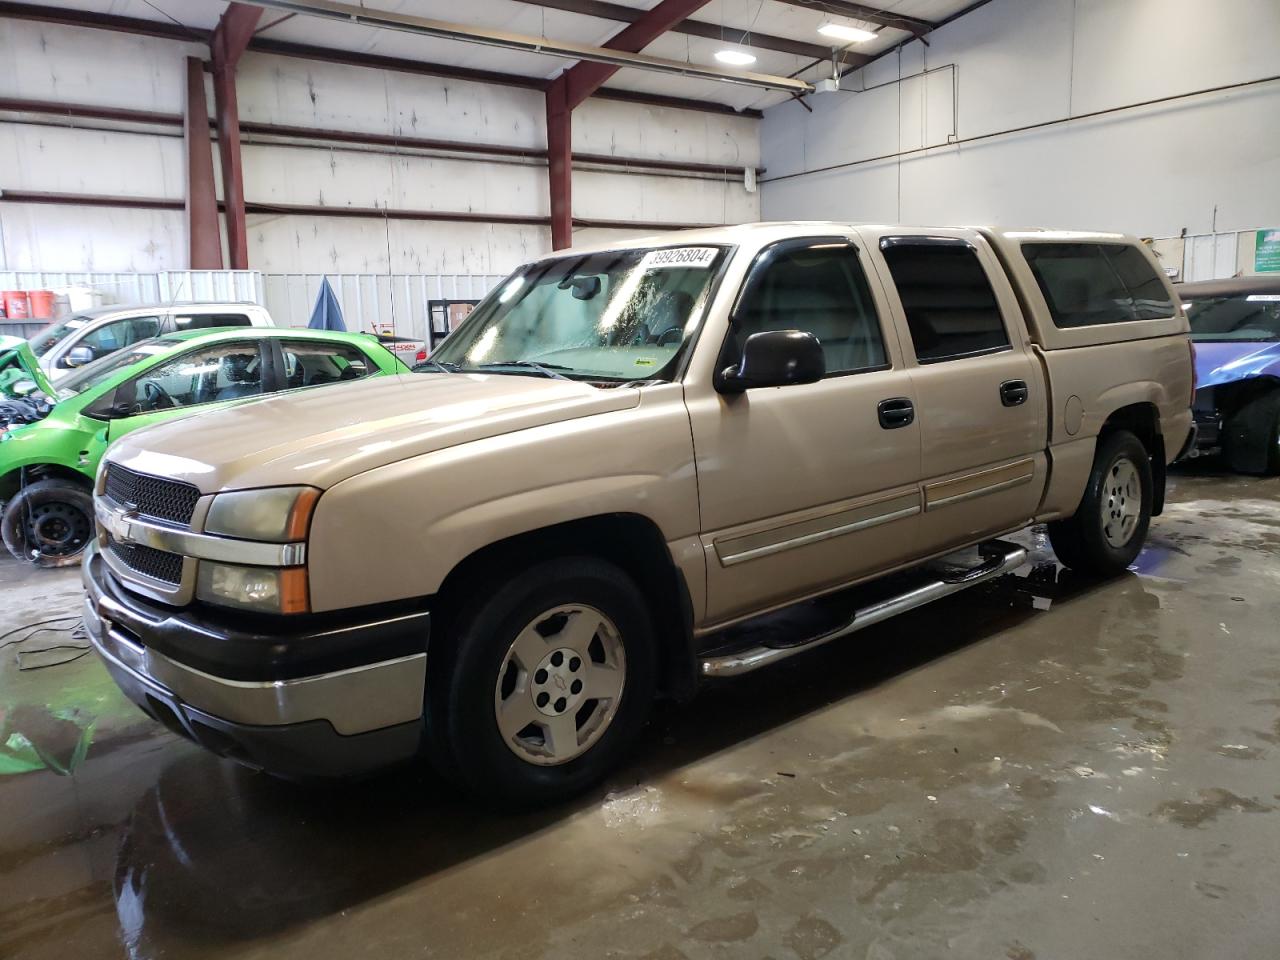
x=1226 y=362
x=18 y=363
x=322 y=436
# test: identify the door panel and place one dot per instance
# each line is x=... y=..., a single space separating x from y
x=800 y=487
x=980 y=395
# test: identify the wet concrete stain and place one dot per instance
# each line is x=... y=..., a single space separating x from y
x=1042 y=767
x=1207 y=807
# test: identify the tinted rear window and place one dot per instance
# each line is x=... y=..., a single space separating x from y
x=1086 y=284
x=950 y=306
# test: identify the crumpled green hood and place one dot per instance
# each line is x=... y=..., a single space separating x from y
x=18 y=363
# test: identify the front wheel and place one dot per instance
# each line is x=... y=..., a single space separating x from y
x=1108 y=529
x=48 y=523
x=544 y=683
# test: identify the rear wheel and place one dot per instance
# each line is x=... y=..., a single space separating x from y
x=1108 y=529
x=49 y=522
x=547 y=678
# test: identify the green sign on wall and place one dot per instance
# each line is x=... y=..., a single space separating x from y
x=1266 y=255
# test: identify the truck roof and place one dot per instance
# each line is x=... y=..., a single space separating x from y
x=741 y=232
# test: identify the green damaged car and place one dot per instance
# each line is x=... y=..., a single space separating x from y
x=53 y=436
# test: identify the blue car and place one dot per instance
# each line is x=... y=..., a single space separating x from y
x=1235 y=327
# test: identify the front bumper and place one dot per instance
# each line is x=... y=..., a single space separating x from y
x=337 y=698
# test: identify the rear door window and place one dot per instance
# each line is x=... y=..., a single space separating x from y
x=312 y=364
x=1087 y=284
x=950 y=306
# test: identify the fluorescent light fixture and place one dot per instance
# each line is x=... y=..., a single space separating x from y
x=737 y=58
x=842 y=31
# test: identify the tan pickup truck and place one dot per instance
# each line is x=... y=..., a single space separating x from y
x=632 y=468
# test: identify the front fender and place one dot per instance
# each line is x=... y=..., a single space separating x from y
x=45 y=444
x=396 y=532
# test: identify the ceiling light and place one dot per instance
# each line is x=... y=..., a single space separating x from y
x=738 y=58
x=842 y=31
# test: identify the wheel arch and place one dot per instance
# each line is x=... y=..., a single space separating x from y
x=1228 y=398
x=18 y=477
x=632 y=542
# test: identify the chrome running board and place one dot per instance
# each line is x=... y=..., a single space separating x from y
x=1001 y=557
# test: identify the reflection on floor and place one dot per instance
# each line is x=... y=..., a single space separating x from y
x=1040 y=767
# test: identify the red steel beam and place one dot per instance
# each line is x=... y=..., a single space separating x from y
x=560 y=165
x=204 y=239
x=584 y=79
x=605 y=10
x=574 y=86
x=230 y=38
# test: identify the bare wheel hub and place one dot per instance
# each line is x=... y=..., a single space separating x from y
x=57 y=529
x=560 y=684
x=1121 y=502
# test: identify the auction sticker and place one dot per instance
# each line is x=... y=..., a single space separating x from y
x=698 y=258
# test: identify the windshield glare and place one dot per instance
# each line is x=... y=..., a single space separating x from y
x=1242 y=317
x=94 y=373
x=616 y=316
x=52 y=335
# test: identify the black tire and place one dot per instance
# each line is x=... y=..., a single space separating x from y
x=1080 y=541
x=49 y=523
x=462 y=687
x=1251 y=437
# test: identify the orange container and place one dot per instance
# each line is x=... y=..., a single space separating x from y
x=16 y=305
x=41 y=302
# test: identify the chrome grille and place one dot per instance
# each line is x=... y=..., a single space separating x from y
x=150 y=562
x=169 y=500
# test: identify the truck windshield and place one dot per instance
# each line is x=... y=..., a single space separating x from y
x=1242 y=317
x=52 y=335
x=94 y=373
x=612 y=317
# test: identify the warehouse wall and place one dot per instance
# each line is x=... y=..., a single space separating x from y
x=1207 y=164
x=82 y=66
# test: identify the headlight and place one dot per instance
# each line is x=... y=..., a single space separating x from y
x=272 y=515
x=266 y=589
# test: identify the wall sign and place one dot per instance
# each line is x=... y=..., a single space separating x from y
x=1266 y=254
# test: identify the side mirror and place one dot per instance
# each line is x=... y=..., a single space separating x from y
x=24 y=388
x=774 y=358
x=80 y=356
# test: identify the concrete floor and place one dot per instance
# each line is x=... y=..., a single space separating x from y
x=1039 y=768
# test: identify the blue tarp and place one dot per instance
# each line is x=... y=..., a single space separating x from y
x=326 y=314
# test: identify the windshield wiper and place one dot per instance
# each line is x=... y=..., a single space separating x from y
x=442 y=366
x=546 y=369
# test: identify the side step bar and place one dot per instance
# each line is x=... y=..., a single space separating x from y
x=1001 y=557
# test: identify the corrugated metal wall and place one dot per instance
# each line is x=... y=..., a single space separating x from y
x=169 y=286
x=398 y=303
x=372 y=301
